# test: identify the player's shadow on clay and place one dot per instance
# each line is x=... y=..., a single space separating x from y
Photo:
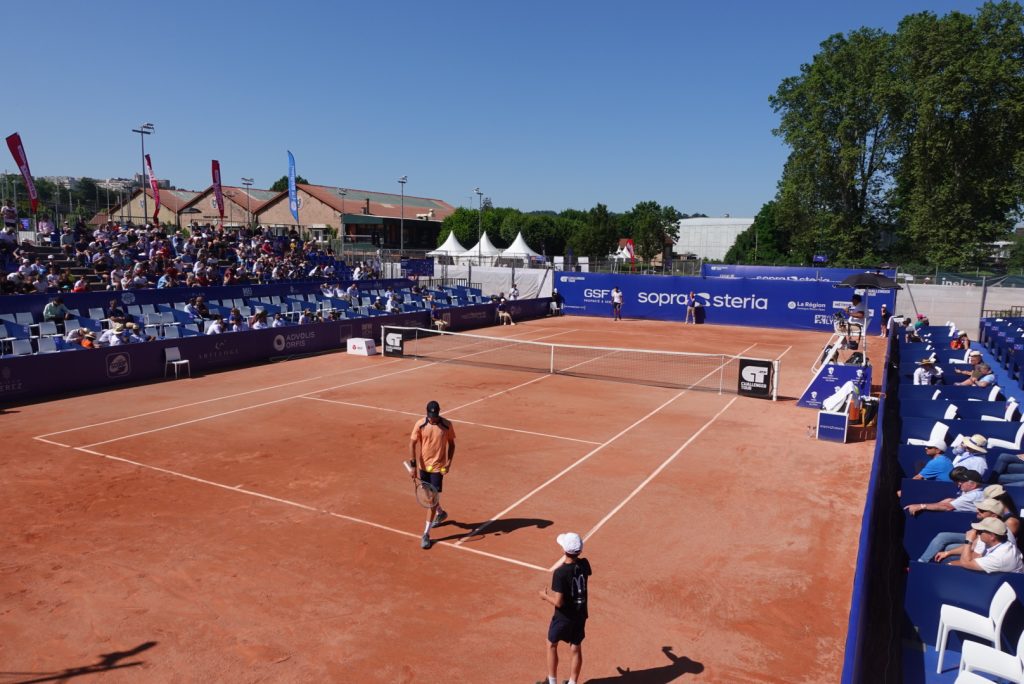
x=106 y=662
x=680 y=665
x=479 y=530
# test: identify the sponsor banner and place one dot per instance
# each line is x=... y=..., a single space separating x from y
x=155 y=186
x=832 y=426
x=21 y=159
x=831 y=379
x=418 y=267
x=394 y=343
x=217 y=192
x=755 y=378
x=793 y=273
x=801 y=305
x=293 y=198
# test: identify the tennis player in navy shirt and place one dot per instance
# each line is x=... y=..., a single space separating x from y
x=568 y=595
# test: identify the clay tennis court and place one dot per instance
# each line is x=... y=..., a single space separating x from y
x=256 y=525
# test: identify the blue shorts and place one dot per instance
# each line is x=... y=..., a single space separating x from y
x=433 y=478
x=564 y=629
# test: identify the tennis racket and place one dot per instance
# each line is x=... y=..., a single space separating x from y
x=426 y=493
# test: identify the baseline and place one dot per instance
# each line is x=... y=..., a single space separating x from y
x=249 y=492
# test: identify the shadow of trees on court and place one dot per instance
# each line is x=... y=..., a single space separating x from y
x=679 y=666
x=479 y=530
x=106 y=662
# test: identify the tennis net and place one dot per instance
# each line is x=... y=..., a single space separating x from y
x=686 y=370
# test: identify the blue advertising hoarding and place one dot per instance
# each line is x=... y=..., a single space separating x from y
x=797 y=273
x=799 y=305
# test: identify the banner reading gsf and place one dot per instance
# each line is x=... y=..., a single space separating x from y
x=798 y=305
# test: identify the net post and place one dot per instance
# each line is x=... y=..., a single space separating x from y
x=551 y=362
x=775 y=385
x=721 y=374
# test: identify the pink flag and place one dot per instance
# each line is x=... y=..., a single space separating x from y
x=215 y=170
x=156 y=188
x=18 y=151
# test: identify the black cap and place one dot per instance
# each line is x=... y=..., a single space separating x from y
x=433 y=409
x=957 y=473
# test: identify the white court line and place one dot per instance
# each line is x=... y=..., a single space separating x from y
x=650 y=477
x=267 y=403
x=419 y=414
x=593 y=451
x=237 y=489
x=779 y=357
x=204 y=401
x=232 y=396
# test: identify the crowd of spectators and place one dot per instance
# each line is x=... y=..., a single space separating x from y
x=127 y=257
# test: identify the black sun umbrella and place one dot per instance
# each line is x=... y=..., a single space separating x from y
x=869 y=281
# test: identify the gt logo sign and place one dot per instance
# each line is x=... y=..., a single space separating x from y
x=393 y=344
x=755 y=374
x=755 y=378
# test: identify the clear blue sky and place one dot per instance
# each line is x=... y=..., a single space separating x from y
x=543 y=105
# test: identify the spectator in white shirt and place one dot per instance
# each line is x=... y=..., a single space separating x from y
x=927 y=374
x=993 y=552
x=970 y=454
x=969 y=484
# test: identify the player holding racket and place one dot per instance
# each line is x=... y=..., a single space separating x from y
x=435 y=437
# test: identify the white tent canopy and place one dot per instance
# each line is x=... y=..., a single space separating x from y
x=484 y=248
x=451 y=247
x=519 y=249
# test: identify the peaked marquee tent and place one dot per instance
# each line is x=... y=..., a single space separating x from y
x=519 y=249
x=451 y=247
x=484 y=249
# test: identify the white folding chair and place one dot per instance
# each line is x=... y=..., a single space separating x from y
x=24 y=318
x=172 y=332
x=978 y=657
x=21 y=347
x=965 y=677
x=988 y=627
x=47 y=328
x=172 y=357
x=46 y=345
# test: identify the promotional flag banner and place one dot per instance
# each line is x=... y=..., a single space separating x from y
x=156 y=188
x=631 y=251
x=293 y=199
x=18 y=151
x=215 y=170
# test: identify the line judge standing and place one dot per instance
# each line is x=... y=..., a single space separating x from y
x=435 y=437
x=616 y=304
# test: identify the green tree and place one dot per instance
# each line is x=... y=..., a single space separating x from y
x=594 y=233
x=765 y=242
x=652 y=227
x=960 y=179
x=281 y=184
x=837 y=118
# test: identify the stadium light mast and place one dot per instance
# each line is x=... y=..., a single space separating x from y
x=247 y=182
x=144 y=130
x=479 y=226
x=401 y=226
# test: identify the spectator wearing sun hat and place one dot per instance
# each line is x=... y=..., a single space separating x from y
x=947 y=544
x=981 y=376
x=938 y=465
x=969 y=453
x=927 y=373
x=974 y=359
x=969 y=484
x=995 y=553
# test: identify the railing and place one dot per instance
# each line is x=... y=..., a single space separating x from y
x=1012 y=312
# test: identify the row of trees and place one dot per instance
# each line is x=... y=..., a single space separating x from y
x=905 y=146
x=83 y=200
x=594 y=232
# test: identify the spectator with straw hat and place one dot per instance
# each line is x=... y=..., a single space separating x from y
x=927 y=373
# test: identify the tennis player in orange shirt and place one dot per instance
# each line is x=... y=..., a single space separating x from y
x=436 y=439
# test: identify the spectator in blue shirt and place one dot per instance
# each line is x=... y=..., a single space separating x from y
x=982 y=377
x=938 y=465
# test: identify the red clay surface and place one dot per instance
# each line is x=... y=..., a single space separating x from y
x=256 y=525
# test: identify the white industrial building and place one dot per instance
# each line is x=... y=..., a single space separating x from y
x=709 y=238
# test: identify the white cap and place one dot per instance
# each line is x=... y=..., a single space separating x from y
x=937 y=444
x=570 y=543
